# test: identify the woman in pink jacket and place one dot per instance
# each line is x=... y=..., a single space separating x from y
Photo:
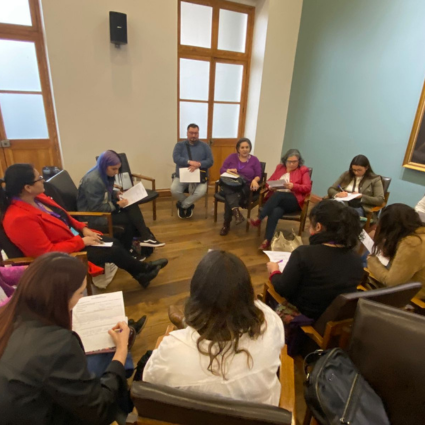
x=287 y=198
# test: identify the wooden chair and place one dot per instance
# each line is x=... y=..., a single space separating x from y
x=61 y=188
x=174 y=406
x=386 y=181
x=387 y=347
x=187 y=191
x=332 y=328
x=299 y=216
x=255 y=198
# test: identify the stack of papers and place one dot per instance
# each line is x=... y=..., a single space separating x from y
x=232 y=176
x=368 y=243
x=276 y=183
x=279 y=257
x=135 y=194
x=187 y=176
x=349 y=197
x=94 y=316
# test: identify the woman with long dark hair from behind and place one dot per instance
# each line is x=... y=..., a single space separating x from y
x=96 y=193
x=43 y=372
x=37 y=225
x=400 y=236
x=360 y=179
x=317 y=273
x=231 y=344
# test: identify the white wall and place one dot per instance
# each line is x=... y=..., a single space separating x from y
x=108 y=98
x=271 y=76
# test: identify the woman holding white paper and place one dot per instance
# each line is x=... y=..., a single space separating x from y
x=43 y=370
x=96 y=193
x=246 y=166
x=359 y=179
x=289 y=198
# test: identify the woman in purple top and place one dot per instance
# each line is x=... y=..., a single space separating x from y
x=249 y=168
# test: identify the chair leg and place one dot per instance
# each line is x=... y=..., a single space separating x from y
x=172 y=209
x=154 y=209
x=308 y=417
x=89 y=285
x=248 y=216
x=206 y=204
x=215 y=210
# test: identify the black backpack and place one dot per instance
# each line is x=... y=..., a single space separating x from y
x=336 y=393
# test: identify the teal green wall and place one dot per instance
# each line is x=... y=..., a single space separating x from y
x=358 y=76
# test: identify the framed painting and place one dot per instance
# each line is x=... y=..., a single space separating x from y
x=415 y=153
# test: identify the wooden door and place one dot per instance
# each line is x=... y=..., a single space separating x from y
x=27 y=122
x=215 y=39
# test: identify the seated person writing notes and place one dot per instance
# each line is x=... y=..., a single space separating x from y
x=296 y=185
x=96 y=193
x=192 y=154
x=360 y=179
x=43 y=369
x=36 y=225
x=232 y=342
x=400 y=236
x=317 y=273
x=246 y=166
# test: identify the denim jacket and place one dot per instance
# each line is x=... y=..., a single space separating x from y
x=94 y=196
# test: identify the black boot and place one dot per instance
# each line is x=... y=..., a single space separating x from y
x=239 y=218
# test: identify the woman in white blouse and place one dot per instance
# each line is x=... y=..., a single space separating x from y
x=232 y=343
x=359 y=179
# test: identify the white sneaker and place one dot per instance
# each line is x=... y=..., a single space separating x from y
x=152 y=243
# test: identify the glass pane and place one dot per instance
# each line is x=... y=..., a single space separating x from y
x=15 y=12
x=226 y=120
x=19 y=70
x=24 y=116
x=228 y=82
x=193 y=112
x=195 y=25
x=232 y=31
x=194 y=79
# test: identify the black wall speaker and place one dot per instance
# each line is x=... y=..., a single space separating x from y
x=118 y=27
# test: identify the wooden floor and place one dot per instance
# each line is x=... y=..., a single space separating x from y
x=187 y=241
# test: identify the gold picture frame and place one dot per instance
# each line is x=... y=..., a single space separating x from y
x=415 y=152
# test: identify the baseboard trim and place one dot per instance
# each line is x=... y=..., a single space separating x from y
x=163 y=193
x=315 y=199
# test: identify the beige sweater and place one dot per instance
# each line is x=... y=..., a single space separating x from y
x=408 y=264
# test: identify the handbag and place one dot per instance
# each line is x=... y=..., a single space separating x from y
x=231 y=183
x=336 y=393
x=282 y=243
x=203 y=171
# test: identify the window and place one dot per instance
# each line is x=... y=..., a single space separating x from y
x=214 y=56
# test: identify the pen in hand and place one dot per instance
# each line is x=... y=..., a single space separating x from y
x=340 y=188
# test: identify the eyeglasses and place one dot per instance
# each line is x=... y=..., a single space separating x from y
x=38 y=179
x=292 y=162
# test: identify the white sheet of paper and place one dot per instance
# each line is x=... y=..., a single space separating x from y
x=104 y=245
x=421 y=216
x=92 y=318
x=349 y=197
x=134 y=194
x=276 y=183
x=368 y=243
x=232 y=176
x=124 y=180
x=187 y=176
x=279 y=257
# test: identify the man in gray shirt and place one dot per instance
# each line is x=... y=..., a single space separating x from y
x=200 y=157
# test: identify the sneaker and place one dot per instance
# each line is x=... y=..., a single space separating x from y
x=152 y=243
x=181 y=212
x=189 y=211
x=136 y=255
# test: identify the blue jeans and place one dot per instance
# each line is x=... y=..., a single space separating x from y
x=97 y=363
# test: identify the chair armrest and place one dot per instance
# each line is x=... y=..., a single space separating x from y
x=170 y=328
x=376 y=209
x=26 y=260
x=273 y=293
x=142 y=177
x=287 y=382
x=107 y=215
x=418 y=302
x=313 y=334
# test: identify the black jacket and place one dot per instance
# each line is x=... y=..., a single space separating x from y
x=44 y=380
x=315 y=275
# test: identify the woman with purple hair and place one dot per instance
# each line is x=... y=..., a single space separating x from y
x=96 y=193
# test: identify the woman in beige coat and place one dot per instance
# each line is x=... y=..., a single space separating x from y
x=361 y=179
x=400 y=236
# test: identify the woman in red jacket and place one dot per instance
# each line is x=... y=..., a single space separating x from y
x=287 y=198
x=37 y=225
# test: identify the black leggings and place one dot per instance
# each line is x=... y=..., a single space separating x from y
x=131 y=218
x=115 y=254
x=278 y=204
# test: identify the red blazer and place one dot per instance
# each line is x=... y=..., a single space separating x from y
x=300 y=179
x=35 y=232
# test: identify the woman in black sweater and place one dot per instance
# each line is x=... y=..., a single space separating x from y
x=317 y=273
